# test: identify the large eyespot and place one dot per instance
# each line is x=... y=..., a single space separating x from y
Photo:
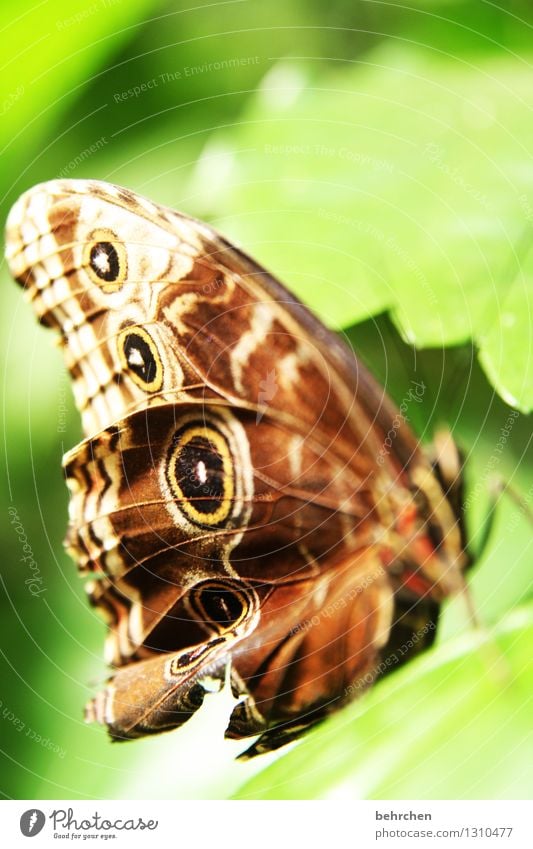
x=105 y=259
x=139 y=358
x=200 y=474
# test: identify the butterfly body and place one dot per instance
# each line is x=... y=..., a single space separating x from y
x=232 y=500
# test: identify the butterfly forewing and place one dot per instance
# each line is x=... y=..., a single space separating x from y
x=233 y=501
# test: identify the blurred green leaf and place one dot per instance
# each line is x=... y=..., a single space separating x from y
x=397 y=182
x=453 y=724
x=50 y=52
x=506 y=346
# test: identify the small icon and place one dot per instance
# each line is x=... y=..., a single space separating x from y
x=31 y=822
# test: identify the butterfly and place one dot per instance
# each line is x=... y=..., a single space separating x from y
x=237 y=505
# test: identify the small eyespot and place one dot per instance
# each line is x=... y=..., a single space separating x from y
x=200 y=474
x=105 y=260
x=192 y=659
x=140 y=359
x=221 y=605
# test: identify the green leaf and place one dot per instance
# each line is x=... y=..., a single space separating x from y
x=401 y=182
x=453 y=724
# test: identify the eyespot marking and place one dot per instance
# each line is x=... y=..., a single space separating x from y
x=105 y=259
x=200 y=474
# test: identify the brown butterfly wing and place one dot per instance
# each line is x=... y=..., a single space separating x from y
x=218 y=324
x=235 y=484
x=314 y=642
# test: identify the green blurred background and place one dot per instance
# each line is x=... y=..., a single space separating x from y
x=377 y=158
